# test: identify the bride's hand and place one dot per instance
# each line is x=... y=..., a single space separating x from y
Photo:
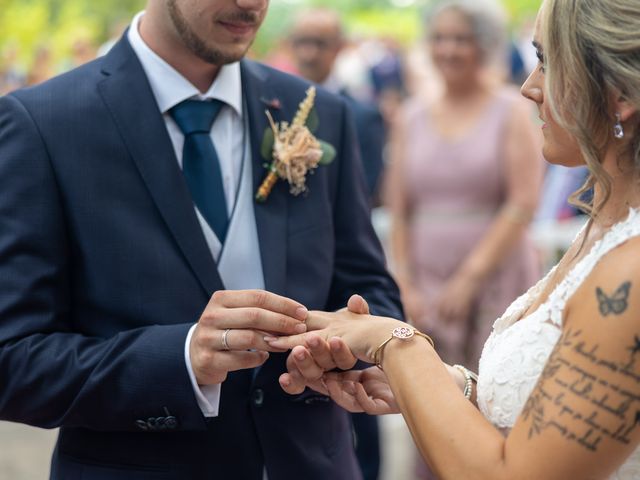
x=306 y=364
x=362 y=391
x=363 y=334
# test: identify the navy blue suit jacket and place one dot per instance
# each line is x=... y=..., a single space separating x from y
x=104 y=268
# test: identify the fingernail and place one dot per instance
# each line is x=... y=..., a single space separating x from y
x=270 y=339
x=300 y=355
x=285 y=382
x=301 y=313
x=314 y=342
x=300 y=328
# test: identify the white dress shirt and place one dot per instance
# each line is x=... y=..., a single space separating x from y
x=170 y=88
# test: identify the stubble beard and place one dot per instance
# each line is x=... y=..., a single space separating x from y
x=197 y=45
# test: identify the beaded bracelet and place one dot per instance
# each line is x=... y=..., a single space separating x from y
x=469 y=378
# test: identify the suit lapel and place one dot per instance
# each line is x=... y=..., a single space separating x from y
x=129 y=98
x=271 y=216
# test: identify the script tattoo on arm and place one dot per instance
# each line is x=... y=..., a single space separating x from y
x=615 y=304
x=583 y=399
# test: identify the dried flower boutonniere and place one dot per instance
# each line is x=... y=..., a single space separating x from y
x=293 y=149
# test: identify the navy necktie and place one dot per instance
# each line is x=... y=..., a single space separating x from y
x=200 y=163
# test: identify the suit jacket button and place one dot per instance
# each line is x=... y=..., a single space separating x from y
x=258 y=397
x=171 y=422
x=142 y=425
x=152 y=423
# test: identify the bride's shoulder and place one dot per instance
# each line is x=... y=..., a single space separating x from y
x=612 y=289
x=621 y=261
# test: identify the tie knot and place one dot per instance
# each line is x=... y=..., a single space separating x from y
x=195 y=116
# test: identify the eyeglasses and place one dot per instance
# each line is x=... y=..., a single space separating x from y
x=316 y=42
x=461 y=40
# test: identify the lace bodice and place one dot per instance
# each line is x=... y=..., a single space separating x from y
x=518 y=348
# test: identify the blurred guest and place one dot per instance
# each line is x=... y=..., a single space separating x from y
x=42 y=66
x=316 y=38
x=280 y=57
x=82 y=51
x=525 y=37
x=387 y=78
x=387 y=72
x=353 y=69
x=462 y=188
x=115 y=32
x=559 y=183
x=11 y=76
x=517 y=71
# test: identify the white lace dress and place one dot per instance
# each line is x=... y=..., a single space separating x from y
x=518 y=348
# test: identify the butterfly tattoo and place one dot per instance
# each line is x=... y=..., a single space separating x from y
x=615 y=304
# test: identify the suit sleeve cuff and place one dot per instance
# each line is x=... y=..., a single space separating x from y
x=207 y=396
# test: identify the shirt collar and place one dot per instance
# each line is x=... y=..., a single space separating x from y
x=169 y=87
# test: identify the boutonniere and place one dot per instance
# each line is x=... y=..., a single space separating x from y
x=293 y=150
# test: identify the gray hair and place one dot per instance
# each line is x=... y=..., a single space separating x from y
x=487 y=21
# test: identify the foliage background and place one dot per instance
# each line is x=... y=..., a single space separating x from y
x=28 y=24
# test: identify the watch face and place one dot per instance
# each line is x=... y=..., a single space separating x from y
x=403 y=333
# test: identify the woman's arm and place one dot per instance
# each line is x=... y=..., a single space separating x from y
x=580 y=421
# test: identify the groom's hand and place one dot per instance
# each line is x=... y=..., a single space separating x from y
x=307 y=364
x=230 y=333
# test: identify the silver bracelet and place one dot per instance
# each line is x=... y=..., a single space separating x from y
x=469 y=378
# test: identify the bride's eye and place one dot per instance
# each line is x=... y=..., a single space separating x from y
x=541 y=60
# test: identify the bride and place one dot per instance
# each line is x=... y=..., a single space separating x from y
x=558 y=392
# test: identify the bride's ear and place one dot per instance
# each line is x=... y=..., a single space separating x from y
x=622 y=106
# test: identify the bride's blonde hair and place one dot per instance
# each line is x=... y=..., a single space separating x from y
x=592 y=50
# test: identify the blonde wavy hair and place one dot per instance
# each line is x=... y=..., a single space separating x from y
x=592 y=51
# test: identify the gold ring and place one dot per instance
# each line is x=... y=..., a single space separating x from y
x=225 y=345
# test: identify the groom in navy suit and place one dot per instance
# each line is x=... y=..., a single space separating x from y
x=138 y=277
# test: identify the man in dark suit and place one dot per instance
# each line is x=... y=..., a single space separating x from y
x=134 y=261
x=317 y=37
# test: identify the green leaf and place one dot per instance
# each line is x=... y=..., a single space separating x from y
x=313 y=121
x=266 y=150
x=328 y=153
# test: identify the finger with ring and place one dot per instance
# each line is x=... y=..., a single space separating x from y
x=225 y=335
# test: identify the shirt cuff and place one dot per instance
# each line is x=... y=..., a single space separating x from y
x=208 y=396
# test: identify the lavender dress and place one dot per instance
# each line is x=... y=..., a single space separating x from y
x=454 y=189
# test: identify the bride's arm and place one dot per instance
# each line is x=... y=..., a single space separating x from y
x=580 y=421
x=306 y=367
